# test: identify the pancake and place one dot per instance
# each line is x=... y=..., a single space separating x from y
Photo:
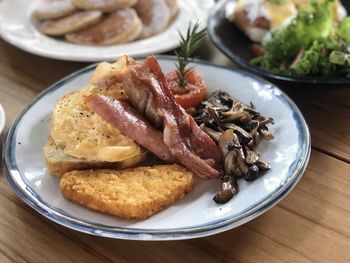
x=103 y=5
x=121 y=26
x=54 y=9
x=71 y=23
x=173 y=8
x=155 y=16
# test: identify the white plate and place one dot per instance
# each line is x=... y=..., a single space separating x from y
x=17 y=27
x=2 y=119
x=195 y=215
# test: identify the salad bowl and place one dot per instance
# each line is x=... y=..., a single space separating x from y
x=231 y=41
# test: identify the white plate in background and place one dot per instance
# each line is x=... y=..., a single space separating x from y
x=195 y=215
x=17 y=28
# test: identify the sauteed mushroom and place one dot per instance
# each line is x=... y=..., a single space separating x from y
x=263 y=166
x=251 y=156
x=238 y=129
x=230 y=164
x=212 y=133
x=228 y=190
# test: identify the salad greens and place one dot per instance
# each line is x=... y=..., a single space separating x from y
x=344 y=29
x=312 y=44
x=277 y=2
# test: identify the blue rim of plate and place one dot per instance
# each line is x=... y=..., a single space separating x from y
x=296 y=170
x=2 y=119
x=235 y=57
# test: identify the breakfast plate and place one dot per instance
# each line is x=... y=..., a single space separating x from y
x=231 y=41
x=17 y=27
x=196 y=215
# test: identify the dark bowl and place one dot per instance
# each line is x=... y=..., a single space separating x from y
x=230 y=40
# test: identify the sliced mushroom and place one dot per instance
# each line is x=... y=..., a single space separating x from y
x=257 y=138
x=245 y=117
x=253 y=113
x=264 y=122
x=252 y=174
x=228 y=139
x=263 y=166
x=251 y=127
x=228 y=189
x=213 y=134
x=251 y=156
x=267 y=135
x=240 y=162
x=215 y=117
x=230 y=167
x=245 y=136
x=230 y=116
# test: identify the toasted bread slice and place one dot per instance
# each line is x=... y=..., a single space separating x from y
x=131 y=193
x=121 y=26
x=103 y=5
x=71 y=23
x=59 y=163
x=155 y=16
x=54 y=9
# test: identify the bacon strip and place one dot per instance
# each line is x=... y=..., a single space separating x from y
x=125 y=118
x=185 y=140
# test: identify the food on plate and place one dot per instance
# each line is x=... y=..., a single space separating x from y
x=121 y=26
x=185 y=83
x=103 y=5
x=155 y=16
x=104 y=22
x=83 y=134
x=256 y=18
x=131 y=193
x=310 y=41
x=147 y=90
x=80 y=138
x=238 y=129
x=127 y=110
x=126 y=119
x=54 y=9
x=307 y=45
x=73 y=22
x=58 y=162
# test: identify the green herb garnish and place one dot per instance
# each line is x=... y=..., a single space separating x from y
x=188 y=45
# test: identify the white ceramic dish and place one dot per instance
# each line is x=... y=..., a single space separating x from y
x=2 y=119
x=17 y=27
x=196 y=215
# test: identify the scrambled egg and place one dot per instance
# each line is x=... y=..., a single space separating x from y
x=84 y=134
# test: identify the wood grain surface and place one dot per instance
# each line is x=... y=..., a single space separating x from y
x=312 y=224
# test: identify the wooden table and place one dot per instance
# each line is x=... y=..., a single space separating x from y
x=312 y=224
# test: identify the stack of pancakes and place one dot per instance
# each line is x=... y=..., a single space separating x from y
x=105 y=22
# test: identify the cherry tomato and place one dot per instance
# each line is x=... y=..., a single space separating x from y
x=192 y=93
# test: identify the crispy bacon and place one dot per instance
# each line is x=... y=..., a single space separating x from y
x=185 y=140
x=122 y=116
x=147 y=90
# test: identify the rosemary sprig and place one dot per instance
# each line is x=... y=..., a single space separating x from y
x=188 y=45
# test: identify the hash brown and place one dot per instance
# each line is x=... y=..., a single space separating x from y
x=131 y=193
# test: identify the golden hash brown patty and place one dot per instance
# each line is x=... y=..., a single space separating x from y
x=131 y=193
